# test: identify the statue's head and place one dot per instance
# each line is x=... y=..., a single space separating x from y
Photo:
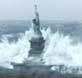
x=34 y=21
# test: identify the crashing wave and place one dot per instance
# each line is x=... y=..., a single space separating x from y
x=59 y=50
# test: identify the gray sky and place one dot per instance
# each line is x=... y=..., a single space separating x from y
x=49 y=9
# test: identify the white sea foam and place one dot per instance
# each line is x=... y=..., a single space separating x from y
x=15 y=51
x=58 y=50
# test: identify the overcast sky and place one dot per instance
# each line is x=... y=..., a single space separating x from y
x=49 y=9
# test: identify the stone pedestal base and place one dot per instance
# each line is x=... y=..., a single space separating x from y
x=37 y=46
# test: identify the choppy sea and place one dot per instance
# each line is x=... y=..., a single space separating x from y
x=63 y=42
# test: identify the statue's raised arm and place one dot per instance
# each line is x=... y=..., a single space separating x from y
x=36 y=22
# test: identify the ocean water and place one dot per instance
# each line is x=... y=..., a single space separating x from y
x=63 y=44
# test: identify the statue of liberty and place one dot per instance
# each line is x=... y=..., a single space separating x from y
x=37 y=41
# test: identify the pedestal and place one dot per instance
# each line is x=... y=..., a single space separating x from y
x=37 y=46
